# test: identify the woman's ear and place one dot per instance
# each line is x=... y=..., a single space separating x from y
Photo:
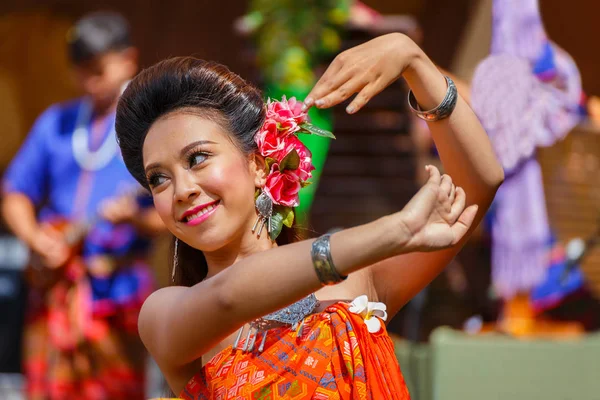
x=258 y=169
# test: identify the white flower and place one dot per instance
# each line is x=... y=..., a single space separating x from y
x=371 y=312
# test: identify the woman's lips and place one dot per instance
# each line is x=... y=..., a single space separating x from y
x=200 y=214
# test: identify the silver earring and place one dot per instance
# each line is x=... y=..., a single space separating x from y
x=264 y=207
x=175 y=262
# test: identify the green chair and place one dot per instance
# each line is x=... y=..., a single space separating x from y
x=498 y=367
x=414 y=362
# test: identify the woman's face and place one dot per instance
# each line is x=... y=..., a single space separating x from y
x=203 y=185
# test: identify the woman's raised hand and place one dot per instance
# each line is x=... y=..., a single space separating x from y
x=366 y=69
x=436 y=217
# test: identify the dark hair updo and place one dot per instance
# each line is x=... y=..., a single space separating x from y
x=186 y=83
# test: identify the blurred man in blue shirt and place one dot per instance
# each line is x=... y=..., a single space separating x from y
x=69 y=197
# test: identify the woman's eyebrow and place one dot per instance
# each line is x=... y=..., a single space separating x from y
x=182 y=152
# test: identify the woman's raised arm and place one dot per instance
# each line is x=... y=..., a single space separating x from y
x=461 y=141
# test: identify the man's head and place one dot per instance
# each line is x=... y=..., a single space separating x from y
x=104 y=58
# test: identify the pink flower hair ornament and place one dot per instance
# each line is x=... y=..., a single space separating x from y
x=288 y=161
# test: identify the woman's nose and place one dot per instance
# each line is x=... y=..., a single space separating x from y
x=186 y=190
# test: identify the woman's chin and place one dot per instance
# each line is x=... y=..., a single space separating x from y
x=212 y=236
x=208 y=241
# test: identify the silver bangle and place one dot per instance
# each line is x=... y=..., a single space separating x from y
x=321 y=257
x=440 y=112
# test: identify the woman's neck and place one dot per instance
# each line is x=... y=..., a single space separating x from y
x=238 y=249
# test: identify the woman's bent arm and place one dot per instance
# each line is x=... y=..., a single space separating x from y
x=461 y=141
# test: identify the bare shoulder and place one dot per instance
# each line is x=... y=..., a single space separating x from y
x=154 y=314
x=160 y=325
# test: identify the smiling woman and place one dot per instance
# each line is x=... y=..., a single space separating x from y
x=198 y=131
x=219 y=161
x=207 y=171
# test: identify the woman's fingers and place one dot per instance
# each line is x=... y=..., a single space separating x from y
x=333 y=78
x=365 y=95
x=434 y=175
x=340 y=94
x=458 y=206
x=462 y=226
x=446 y=185
x=376 y=63
x=444 y=194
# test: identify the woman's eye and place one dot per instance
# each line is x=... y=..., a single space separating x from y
x=197 y=158
x=156 y=180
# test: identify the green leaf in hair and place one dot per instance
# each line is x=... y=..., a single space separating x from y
x=276 y=224
x=290 y=161
x=288 y=215
x=315 y=130
x=269 y=162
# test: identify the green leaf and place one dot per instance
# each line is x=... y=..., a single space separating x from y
x=270 y=161
x=288 y=215
x=276 y=224
x=291 y=161
x=315 y=130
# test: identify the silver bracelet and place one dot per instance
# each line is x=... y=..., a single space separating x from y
x=321 y=257
x=440 y=112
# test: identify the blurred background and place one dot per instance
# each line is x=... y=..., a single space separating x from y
x=474 y=332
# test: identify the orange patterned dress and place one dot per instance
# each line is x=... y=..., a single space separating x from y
x=334 y=357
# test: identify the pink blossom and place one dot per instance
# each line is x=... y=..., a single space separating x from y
x=269 y=140
x=306 y=167
x=288 y=113
x=283 y=187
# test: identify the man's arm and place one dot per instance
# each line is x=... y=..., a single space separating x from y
x=18 y=212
